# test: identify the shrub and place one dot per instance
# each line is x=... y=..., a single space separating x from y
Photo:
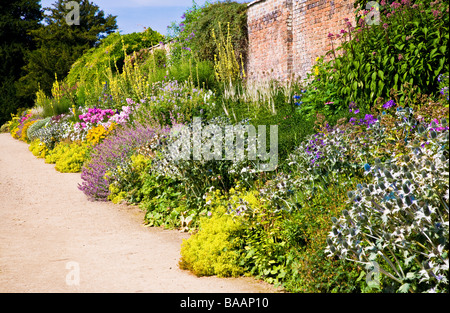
x=408 y=45
x=199 y=73
x=97 y=134
x=194 y=32
x=215 y=249
x=398 y=224
x=110 y=54
x=308 y=269
x=31 y=132
x=26 y=125
x=68 y=158
x=105 y=157
x=38 y=149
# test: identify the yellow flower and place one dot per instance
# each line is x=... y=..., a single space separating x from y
x=316 y=70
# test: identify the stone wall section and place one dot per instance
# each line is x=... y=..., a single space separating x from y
x=286 y=36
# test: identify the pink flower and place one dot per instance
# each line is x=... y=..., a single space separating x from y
x=400 y=57
x=343 y=31
x=395 y=5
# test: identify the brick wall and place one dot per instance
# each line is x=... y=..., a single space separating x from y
x=286 y=36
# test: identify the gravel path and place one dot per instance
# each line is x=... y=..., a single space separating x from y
x=52 y=239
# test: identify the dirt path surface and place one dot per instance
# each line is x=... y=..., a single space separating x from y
x=50 y=235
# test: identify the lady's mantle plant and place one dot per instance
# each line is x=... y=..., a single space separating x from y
x=399 y=224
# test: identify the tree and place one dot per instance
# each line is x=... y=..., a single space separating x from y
x=60 y=44
x=17 y=18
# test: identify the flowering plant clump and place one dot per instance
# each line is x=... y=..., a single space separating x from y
x=174 y=100
x=105 y=157
x=31 y=132
x=197 y=175
x=105 y=117
x=99 y=133
x=68 y=158
x=398 y=224
x=443 y=86
x=377 y=55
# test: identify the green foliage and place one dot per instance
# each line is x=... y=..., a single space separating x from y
x=59 y=44
x=31 y=132
x=408 y=45
x=215 y=249
x=199 y=73
x=18 y=18
x=110 y=54
x=38 y=149
x=194 y=32
x=307 y=267
x=68 y=158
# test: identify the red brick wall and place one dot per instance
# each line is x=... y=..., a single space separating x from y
x=286 y=36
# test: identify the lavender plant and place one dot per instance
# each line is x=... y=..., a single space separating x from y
x=107 y=156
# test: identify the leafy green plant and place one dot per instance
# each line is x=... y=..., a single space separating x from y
x=305 y=230
x=192 y=37
x=110 y=54
x=408 y=45
x=68 y=158
x=215 y=249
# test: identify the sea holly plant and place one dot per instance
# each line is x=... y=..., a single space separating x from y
x=399 y=223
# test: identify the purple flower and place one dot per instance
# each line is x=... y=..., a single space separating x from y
x=389 y=104
x=108 y=155
x=369 y=119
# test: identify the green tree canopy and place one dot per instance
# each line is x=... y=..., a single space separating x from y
x=59 y=44
x=17 y=18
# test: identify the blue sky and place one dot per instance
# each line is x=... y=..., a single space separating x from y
x=134 y=15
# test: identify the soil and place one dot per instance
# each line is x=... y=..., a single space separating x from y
x=52 y=239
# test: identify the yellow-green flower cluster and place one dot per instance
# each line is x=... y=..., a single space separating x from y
x=68 y=158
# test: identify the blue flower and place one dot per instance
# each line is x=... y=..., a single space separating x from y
x=367 y=167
